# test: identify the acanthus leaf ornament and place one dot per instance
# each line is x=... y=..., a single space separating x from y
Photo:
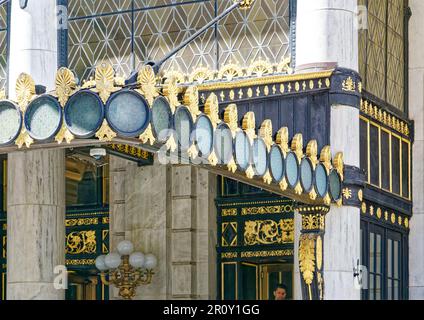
x=65 y=85
x=283 y=139
x=24 y=138
x=307 y=259
x=298 y=189
x=171 y=91
x=232 y=166
x=267 y=178
x=229 y=72
x=312 y=152
x=25 y=90
x=325 y=158
x=338 y=164
x=283 y=184
x=250 y=173
x=64 y=134
x=147 y=136
x=191 y=101
x=201 y=75
x=104 y=79
x=297 y=146
x=212 y=109
x=171 y=144
x=231 y=118
x=193 y=152
x=146 y=79
x=249 y=125
x=105 y=133
x=213 y=159
x=265 y=132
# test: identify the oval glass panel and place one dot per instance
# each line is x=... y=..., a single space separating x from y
x=84 y=114
x=321 y=180
x=259 y=157
x=223 y=143
x=161 y=119
x=43 y=118
x=242 y=150
x=276 y=163
x=335 y=185
x=292 y=170
x=183 y=125
x=203 y=135
x=306 y=174
x=10 y=122
x=127 y=113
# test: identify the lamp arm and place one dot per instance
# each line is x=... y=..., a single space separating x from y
x=146 y=278
x=103 y=278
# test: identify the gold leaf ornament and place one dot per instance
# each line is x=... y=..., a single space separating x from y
x=231 y=118
x=212 y=109
x=147 y=81
x=24 y=138
x=191 y=100
x=307 y=258
x=65 y=85
x=25 y=90
x=147 y=135
x=64 y=134
x=249 y=125
x=171 y=91
x=265 y=132
x=105 y=133
x=105 y=81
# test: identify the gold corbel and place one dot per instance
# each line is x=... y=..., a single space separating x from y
x=147 y=136
x=191 y=100
x=313 y=195
x=327 y=199
x=105 y=81
x=298 y=189
x=283 y=184
x=232 y=166
x=267 y=177
x=212 y=109
x=297 y=146
x=65 y=85
x=105 y=133
x=231 y=118
x=325 y=157
x=249 y=125
x=265 y=132
x=64 y=134
x=312 y=152
x=250 y=173
x=25 y=90
x=338 y=164
x=146 y=79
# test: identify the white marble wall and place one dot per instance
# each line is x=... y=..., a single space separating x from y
x=169 y=212
x=416 y=113
x=36 y=179
x=326 y=33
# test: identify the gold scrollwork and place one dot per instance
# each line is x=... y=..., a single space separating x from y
x=307 y=259
x=265 y=132
x=249 y=125
x=231 y=118
x=265 y=254
x=297 y=146
x=229 y=212
x=65 y=85
x=105 y=133
x=78 y=242
x=266 y=210
x=191 y=100
x=268 y=232
x=313 y=221
x=348 y=85
x=325 y=157
x=146 y=79
x=25 y=90
x=105 y=84
x=81 y=222
x=212 y=109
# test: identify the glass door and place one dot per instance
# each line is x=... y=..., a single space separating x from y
x=271 y=276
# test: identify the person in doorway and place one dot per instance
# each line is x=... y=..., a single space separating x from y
x=280 y=292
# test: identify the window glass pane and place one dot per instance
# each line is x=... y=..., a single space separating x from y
x=405 y=170
x=389 y=289
x=372 y=238
x=389 y=258
x=371 y=287
x=385 y=160
x=377 y=287
x=396 y=260
x=395 y=165
x=364 y=145
x=374 y=156
x=378 y=255
x=396 y=294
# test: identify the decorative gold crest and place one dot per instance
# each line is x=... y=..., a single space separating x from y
x=347 y=193
x=191 y=100
x=147 y=136
x=212 y=109
x=201 y=75
x=325 y=157
x=105 y=133
x=246 y=4
x=249 y=125
x=64 y=134
x=65 y=85
x=312 y=152
x=284 y=66
x=171 y=91
x=25 y=90
x=259 y=68
x=297 y=146
x=105 y=81
x=265 y=132
x=229 y=72
x=338 y=164
x=231 y=118
x=147 y=81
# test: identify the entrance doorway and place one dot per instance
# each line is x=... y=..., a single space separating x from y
x=273 y=274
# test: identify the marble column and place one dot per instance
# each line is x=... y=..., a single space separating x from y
x=170 y=212
x=416 y=107
x=36 y=179
x=328 y=26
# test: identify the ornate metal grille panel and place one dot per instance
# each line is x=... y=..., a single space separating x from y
x=381 y=50
x=4 y=10
x=127 y=33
